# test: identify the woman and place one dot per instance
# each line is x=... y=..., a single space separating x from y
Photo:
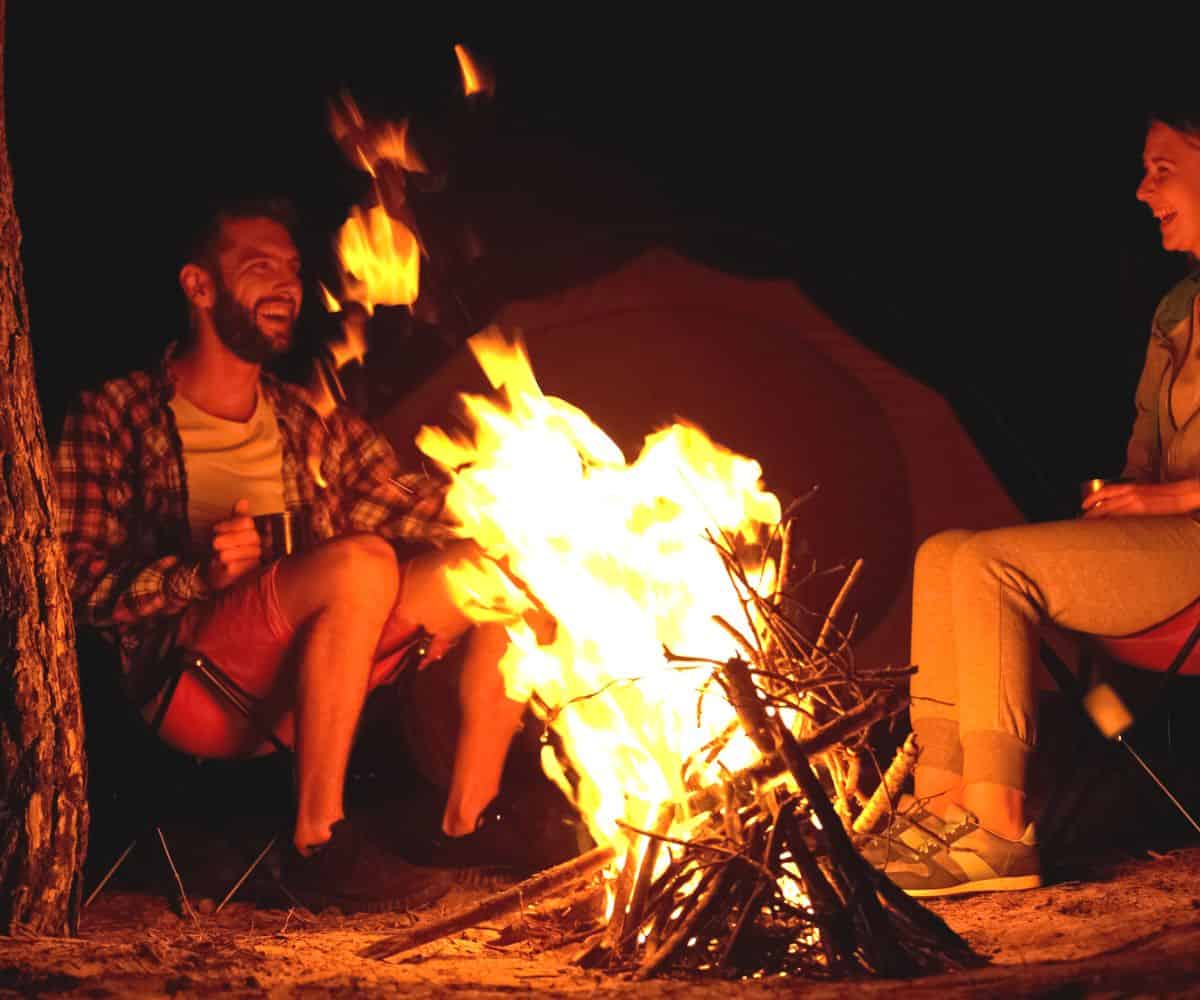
x=1131 y=561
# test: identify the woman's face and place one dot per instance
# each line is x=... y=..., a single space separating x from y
x=1171 y=186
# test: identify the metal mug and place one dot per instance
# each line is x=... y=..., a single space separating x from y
x=283 y=532
x=1090 y=486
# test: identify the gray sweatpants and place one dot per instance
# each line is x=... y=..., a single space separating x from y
x=980 y=598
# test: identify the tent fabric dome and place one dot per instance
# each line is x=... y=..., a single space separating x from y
x=768 y=374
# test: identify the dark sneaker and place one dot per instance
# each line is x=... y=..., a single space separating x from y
x=522 y=831
x=350 y=873
x=964 y=858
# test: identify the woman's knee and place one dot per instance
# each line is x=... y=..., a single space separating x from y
x=985 y=553
x=936 y=554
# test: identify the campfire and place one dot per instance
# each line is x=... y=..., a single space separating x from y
x=711 y=731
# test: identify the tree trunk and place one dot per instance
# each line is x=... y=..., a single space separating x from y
x=43 y=808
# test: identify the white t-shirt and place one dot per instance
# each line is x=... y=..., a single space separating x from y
x=226 y=460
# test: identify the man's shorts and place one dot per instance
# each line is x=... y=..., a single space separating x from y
x=245 y=633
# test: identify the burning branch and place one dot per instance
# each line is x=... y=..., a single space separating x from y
x=541 y=885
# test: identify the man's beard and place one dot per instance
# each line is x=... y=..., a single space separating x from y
x=238 y=331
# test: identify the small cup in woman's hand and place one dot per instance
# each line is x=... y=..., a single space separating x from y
x=1094 y=485
x=1090 y=486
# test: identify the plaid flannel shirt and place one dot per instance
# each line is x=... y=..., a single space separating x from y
x=123 y=500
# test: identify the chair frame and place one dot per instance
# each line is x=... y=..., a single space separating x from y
x=182 y=660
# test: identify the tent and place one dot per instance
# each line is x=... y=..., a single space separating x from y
x=766 y=373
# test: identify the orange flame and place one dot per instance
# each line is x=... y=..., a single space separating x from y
x=618 y=553
x=328 y=299
x=391 y=145
x=475 y=81
x=352 y=345
x=369 y=143
x=381 y=260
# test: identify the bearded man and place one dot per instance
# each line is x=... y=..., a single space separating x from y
x=160 y=474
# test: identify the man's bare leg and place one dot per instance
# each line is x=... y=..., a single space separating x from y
x=489 y=719
x=338 y=597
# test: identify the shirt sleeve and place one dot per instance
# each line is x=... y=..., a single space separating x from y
x=109 y=584
x=377 y=494
x=1142 y=457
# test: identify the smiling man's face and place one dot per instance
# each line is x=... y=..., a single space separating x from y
x=258 y=289
x=1171 y=186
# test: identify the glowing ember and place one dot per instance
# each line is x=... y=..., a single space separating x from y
x=618 y=554
x=328 y=299
x=474 y=80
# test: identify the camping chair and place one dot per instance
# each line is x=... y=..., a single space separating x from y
x=176 y=666
x=1170 y=648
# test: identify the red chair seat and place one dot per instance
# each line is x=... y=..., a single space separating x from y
x=1154 y=648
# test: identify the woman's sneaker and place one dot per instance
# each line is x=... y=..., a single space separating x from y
x=963 y=858
x=911 y=827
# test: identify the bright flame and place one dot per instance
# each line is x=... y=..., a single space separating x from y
x=474 y=80
x=381 y=259
x=618 y=554
x=380 y=254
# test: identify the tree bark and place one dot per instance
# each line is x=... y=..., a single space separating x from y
x=43 y=806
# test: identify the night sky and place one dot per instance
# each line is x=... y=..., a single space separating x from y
x=988 y=243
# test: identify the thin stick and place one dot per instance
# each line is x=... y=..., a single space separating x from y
x=110 y=873
x=187 y=903
x=889 y=786
x=841 y=803
x=744 y=697
x=246 y=874
x=853 y=721
x=750 y=908
x=536 y=887
x=621 y=891
x=657 y=959
x=838 y=601
x=785 y=559
x=634 y=917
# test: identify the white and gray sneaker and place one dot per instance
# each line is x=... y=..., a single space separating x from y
x=963 y=857
x=911 y=826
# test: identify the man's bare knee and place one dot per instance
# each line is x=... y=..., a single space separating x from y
x=428 y=598
x=359 y=568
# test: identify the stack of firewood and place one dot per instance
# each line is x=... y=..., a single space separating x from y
x=767 y=879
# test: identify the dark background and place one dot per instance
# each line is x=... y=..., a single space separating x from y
x=982 y=236
x=986 y=241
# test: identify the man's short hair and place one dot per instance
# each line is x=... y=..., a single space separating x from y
x=1187 y=122
x=209 y=241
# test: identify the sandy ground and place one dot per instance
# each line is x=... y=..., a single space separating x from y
x=1124 y=924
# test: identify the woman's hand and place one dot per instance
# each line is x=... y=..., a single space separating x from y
x=1130 y=499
